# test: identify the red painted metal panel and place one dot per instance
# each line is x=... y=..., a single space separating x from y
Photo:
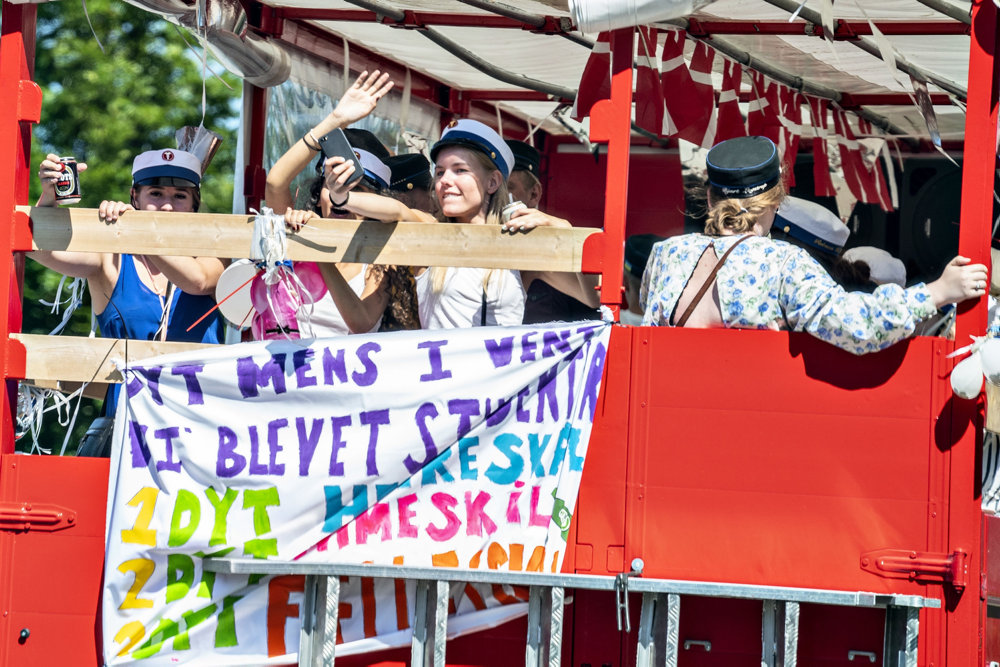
x=50 y=582
x=798 y=463
x=719 y=632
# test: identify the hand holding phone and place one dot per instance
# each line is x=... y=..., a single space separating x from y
x=336 y=144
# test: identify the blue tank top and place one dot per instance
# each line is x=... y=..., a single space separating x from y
x=134 y=311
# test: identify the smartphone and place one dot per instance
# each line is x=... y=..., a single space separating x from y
x=336 y=143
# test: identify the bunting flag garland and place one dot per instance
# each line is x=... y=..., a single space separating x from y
x=859 y=179
x=730 y=121
x=688 y=94
x=648 y=94
x=791 y=121
x=823 y=183
x=595 y=84
x=879 y=182
x=763 y=117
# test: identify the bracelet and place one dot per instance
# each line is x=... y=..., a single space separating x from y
x=309 y=135
x=341 y=204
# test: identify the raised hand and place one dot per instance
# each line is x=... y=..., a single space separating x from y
x=360 y=99
x=49 y=172
x=337 y=172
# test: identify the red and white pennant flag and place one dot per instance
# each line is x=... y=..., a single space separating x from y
x=595 y=84
x=730 y=120
x=823 y=182
x=860 y=180
x=648 y=94
x=881 y=184
x=688 y=94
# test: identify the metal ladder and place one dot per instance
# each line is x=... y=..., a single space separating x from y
x=658 y=624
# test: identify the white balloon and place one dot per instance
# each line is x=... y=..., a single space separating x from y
x=232 y=292
x=989 y=355
x=967 y=377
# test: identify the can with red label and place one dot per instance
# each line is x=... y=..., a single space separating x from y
x=68 y=185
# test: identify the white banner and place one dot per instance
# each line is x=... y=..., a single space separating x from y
x=458 y=448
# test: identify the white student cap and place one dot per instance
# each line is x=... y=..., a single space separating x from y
x=375 y=170
x=883 y=268
x=167 y=166
x=473 y=134
x=812 y=223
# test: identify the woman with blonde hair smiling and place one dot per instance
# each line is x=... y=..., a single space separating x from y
x=471 y=166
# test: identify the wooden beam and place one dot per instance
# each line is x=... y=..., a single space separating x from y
x=223 y=235
x=81 y=359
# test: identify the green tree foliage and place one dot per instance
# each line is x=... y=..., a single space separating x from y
x=105 y=108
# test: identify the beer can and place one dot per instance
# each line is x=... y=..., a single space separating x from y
x=68 y=185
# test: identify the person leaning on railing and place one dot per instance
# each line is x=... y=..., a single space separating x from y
x=732 y=276
x=471 y=167
x=142 y=297
x=373 y=291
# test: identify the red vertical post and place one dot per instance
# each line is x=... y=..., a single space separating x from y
x=254 y=176
x=966 y=610
x=611 y=122
x=22 y=107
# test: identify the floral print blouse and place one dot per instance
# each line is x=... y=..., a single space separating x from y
x=768 y=284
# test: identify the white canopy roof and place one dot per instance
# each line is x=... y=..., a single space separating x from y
x=553 y=59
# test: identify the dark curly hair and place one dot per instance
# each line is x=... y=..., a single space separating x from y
x=401 y=309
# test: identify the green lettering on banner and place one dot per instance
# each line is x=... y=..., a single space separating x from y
x=186 y=502
x=191 y=619
x=222 y=507
x=165 y=629
x=225 y=631
x=260 y=500
x=180 y=576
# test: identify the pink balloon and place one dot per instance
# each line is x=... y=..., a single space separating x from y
x=277 y=318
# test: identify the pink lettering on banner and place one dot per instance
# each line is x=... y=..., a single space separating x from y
x=476 y=517
x=445 y=504
x=406 y=529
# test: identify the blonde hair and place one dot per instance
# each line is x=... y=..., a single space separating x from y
x=728 y=215
x=494 y=207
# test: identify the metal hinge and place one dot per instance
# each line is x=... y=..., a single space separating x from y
x=19 y=517
x=921 y=566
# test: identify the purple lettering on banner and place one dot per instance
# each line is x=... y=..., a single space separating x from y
x=167 y=435
x=571 y=378
x=499 y=414
x=374 y=419
x=190 y=373
x=475 y=510
x=338 y=423
x=433 y=348
x=301 y=362
x=140 y=450
x=229 y=462
x=589 y=330
x=547 y=386
x=251 y=377
x=528 y=347
x=256 y=467
x=466 y=459
x=507 y=443
x=536 y=447
x=334 y=365
x=307 y=442
x=368 y=377
x=445 y=504
x=152 y=376
x=425 y=411
x=273 y=427
x=523 y=414
x=593 y=383
x=552 y=343
x=501 y=351
x=466 y=409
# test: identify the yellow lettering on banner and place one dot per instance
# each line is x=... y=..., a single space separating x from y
x=140 y=533
x=143 y=569
x=133 y=631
